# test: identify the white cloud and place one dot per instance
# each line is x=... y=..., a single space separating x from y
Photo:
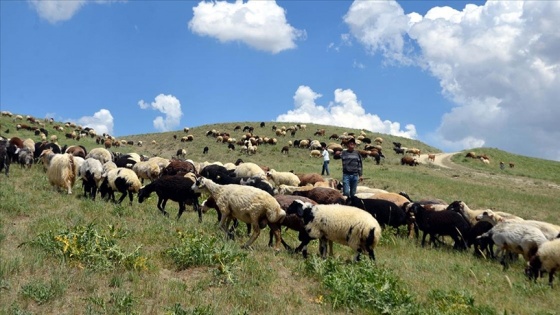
x=259 y=24
x=168 y=105
x=345 y=111
x=101 y=121
x=59 y=10
x=499 y=63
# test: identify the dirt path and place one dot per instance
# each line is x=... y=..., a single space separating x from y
x=442 y=160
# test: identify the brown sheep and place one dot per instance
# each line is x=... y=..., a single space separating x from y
x=408 y=160
x=323 y=195
x=178 y=167
x=108 y=144
x=432 y=157
x=511 y=164
x=285 y=149
x=471 y=155
x=310 y=178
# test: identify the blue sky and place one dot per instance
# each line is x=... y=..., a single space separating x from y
x=453 y=74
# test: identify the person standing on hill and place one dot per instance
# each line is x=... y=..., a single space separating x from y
x=326 y=160
x=351 y=168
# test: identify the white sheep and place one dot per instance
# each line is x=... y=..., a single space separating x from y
x=289 y=190
x=315 y=153
x=549 y=230
x=345 y=225
x=516 y=237
x=247 y=204
x=62 y=171
x=161 y=162
x=101 y=154
x=91 y=173
x=146 y=170
x=107 y=166
x=120 y=179
x=546 y=259
x=283 y=178
x=29 y=144
x=249 y=169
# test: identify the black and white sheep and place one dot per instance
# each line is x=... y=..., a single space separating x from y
x=247 y=204
x=345 y=225
x=121 y=179
x=91 y=172
x=547 y=259
x=177 y=188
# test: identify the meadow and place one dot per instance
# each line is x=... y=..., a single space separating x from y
x=65 y=254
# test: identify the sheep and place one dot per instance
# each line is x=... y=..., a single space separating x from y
x=322 y=195
x=109 y=166
x=146 y=170
x=549 y=230
x=471 y=215
x=161 y=162
x=345 y=225
x=310 y=178
x=432 y=157
x=25 y=157
x=289 y=190
x=177 y=188
x=440 y=223
x=546 y=259
x=120 y=179
x=181 y=153
x=76 y=150
x=283 y=178
x=292 y=221
x=101 y=154
x=408 y=160
x=285 y=150
x=480 y=244
x=178 y=167
x=249 y=170
x=128 y=160
x=414 y=151
x=315 y=153
x=246 y=203
x=385 y=212
x=205 y=150
x=62 y=171
x=515 y=237
x=91 y=173
x=4 y=158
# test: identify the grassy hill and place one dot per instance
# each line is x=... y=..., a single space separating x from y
x=65 y=254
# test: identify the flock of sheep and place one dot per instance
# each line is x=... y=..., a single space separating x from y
x=306 y=203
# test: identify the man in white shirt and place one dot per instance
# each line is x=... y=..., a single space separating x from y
x=326 y=160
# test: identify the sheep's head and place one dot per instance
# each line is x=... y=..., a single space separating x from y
x=298 y=207
x=487 y=216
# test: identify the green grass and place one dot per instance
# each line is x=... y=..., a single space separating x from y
x=123 y=259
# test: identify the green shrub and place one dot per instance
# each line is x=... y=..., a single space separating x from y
x=42 y=292
x=88 y=247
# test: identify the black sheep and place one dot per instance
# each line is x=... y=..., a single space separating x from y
x=484 y=244
x=385 y=212
x=4 y=158
x=291 y=221
x=442 y=223
x=177 y=188
x=205 y=150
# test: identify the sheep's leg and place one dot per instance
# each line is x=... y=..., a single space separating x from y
x=551 y=277
x=161 y=206
x=424 y=238
x=323 y=247
x=181 y=209
x=331 y=253
x=277 y=230
x=93 y=192
x=256 y=233
x=198 y=209
x=130 y=197
x=371 y=253
x=358 y=254
x=122 y=197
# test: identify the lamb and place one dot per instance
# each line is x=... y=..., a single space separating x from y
x=292 y=221
x=440 y=223
x=246 y=203
x=516 y=237
x=62 y=171
x=345 y=225
x=177 y=188
x=120 y=179
x=385 y=212
x=91 y=172
x=181 y=153
x=323 y=195
x=546 y=259
x=101 y=154
x=283 y=178
x=146 y=170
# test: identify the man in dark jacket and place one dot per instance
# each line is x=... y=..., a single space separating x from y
x=351 y=168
